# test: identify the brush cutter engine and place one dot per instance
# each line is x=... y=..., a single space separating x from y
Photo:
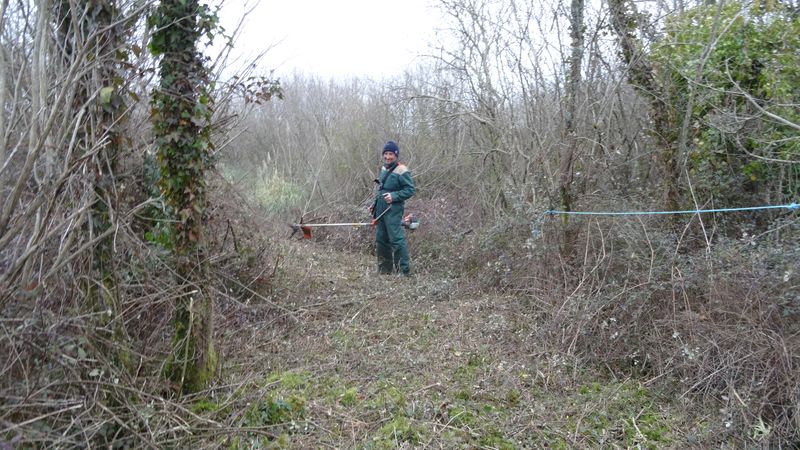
x=410 y=221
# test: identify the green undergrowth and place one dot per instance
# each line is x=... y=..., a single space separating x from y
x=624 y=413
x=299 y=407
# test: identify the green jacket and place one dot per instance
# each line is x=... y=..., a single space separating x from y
x=398 y=183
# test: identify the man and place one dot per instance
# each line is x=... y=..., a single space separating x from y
x=395 y=186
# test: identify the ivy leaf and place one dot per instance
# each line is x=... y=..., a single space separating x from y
x=105 y=95
x=172 y=137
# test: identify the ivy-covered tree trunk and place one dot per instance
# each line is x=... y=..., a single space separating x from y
x=181 y=117
x=87 y=36
x=107 y=40
x=641 y=75
x=570 y=148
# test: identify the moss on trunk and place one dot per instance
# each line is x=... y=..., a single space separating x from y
x=181 y=120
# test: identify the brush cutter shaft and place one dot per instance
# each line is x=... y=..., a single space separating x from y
x=306 y=227
x=353 y=224
x=356 y=224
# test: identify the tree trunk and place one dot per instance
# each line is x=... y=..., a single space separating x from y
x=182 y=129
x=641 y=74
x=3 y=77
x=87 y=38
x=570 y=147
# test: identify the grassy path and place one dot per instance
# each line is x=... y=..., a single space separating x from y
x=372 y=361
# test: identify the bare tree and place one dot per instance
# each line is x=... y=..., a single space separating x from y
x=569 y=148
x=4 y=75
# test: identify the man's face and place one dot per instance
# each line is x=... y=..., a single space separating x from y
x=389 y=157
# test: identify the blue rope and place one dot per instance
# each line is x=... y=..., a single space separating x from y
x=691 y=211
x=535 y=231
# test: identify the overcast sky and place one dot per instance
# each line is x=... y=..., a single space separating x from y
x=373 y=38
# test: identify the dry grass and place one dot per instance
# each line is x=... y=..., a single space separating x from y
x=485 y=347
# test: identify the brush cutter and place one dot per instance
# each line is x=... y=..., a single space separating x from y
x=409 y=221
x=306 y=227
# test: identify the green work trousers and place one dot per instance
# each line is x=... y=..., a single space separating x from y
x=390 y=240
